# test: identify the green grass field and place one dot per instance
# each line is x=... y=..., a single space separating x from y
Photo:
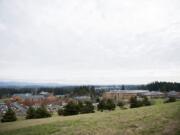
x=159 y=119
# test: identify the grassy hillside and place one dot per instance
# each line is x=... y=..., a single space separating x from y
x=160 y=119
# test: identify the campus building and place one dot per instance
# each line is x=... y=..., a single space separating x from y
x=119 y=95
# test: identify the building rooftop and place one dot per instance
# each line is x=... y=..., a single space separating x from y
x=153 y=93
x=128 y=91
x=24 y=95
x=44 y=93
x=29 y=96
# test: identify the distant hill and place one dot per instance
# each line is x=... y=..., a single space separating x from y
x=14 y=84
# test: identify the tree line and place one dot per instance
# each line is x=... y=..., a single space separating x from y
x=161 y=86
x=68 y=90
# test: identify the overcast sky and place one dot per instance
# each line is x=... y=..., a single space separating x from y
x=90 y=41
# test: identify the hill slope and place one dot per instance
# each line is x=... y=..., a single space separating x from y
x=161 y=119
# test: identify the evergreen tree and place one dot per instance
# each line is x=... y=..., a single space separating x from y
x=71 y=109
x=31 y=113
x=110 y=105
x=101 y=105
x=87 y=108
x=145 y=101
x=60 y=112
x=80 y=105
x=74 y=108
x=135 y=103
x=9 y=116
x=42 y=112
x=120 y=104
x=97 y=100
x=106 y=105
x=171 y=99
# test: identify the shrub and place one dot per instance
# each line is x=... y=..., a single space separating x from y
x=145 y=101
x=170 y=99
x=40 y=112
x=106 y=105
x=121 y=104
x=74 y=108
x=110 y=105
x=97 y=100
x=71 y=109
x=87 y=107
x=60 y=112
x=9 y=116
x=80 y=105
x=101 y=105
x=31 y=113
x=135 y=103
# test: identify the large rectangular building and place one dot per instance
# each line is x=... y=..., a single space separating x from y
x=119 y=95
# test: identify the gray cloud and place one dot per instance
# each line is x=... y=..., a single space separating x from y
x=90 y=41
